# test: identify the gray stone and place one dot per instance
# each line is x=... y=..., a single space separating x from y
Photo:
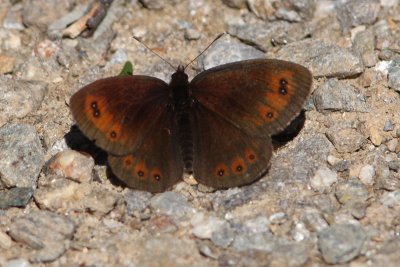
x=295 y=10
x=394 y=77
x=223 y=236
x=136 y=201
x=173 y=205
x=15 y=197
x=290 y=254
x=351 y=190
x=170 y=251
x=44 y=231
x=345 y=140
x=341 y=243
x=323 y=59
x=389 y=126
x=235 y=3
x=335 y=95
x=356 y=12
x=323 y=179
x=364 y=43
x=19 y=98
x=227 y=50
x=390 y=199
x=17 y=263
x=264 y=35
x=21 y=154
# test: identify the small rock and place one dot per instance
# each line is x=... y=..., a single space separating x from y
x=341 y=243
x=345 y=140
x=101 y=200
x=323 y=179
x=19 y=98
x=15 y=197
x=375 y=135
x=44 y=231
x=390 y=199
x=227 y=50
x=388 y=126
x=5 y=241
x=291 y=255
x=323 y=59
x=172 y=204
x=136 y=201
x=356 y=12
x=21 y=154
x=223 y=236
x=205 y=228
x=392 y=145
x=264 y=35
x=192 y=34
x=17 y=263
x=351 y=190
x=335 y=95
x=73 y=165
x=7 y=64
x=394 y=75
x=367 y=173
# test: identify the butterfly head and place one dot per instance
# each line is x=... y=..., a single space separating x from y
x=179 y=85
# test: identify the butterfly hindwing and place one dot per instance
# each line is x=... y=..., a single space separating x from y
x=118 y=112
x=260 y=96
x=157 y=163
x=224 y=155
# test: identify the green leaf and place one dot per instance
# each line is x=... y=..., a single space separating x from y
x=127 y=70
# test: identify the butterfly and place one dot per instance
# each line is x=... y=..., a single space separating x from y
x=217 y=127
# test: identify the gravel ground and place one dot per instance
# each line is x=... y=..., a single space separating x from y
x=331 y=196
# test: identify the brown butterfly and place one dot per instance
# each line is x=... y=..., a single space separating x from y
x=217 y=126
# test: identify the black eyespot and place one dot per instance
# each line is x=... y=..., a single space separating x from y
x=96 y=113
x=270 y=115
x=252 y=157
x=113 y=134
x=140 y=173
x=283 y=82
x=239 y=168
x=221 y=172
x=94 y=105
x=157 y=177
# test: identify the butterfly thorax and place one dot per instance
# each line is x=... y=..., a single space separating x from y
x=179 y=86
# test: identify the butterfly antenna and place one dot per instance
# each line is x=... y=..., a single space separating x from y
x=154 y=53
x=216 y=38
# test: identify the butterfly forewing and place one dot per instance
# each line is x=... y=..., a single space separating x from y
x=118 y=112
x=259 y=96
x=157 y=164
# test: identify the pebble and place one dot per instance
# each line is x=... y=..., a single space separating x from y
x=192 y=34
x=390 y=199
x=5 y=241
x=323 y=179
x=392 y=145
x=172 y=204
x=340 y=243
x=356 y=12
x=22 y=155
x=7 y=64
x=226 y=50
x=323 y=59
x=15 y=197
x=136 y=201
x=19 y=98
x=73 y=165
x=336 y=95
x=367 y=174
x=44 y=231
x=345 y=140
x=389 y=126
x=265 y=34
x=17 y=263
x=207 y=226
x=351 y=190
x=394 y=78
